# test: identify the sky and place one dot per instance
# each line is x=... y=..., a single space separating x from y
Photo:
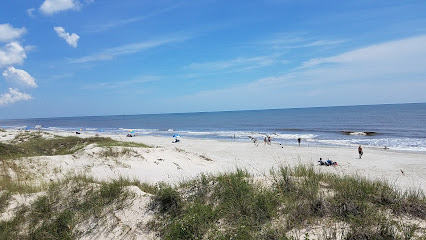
x=90 y=57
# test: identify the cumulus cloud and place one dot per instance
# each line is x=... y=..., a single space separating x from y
x=20 y=77
x=14 y=95
x=50 y=7
x=53 y=6
x=9 y=33
x=12 y=53
x=71 y=39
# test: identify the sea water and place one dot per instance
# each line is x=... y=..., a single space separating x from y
x=396 y=126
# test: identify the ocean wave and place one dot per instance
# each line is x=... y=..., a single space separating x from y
x=246 y=134
x=399 y=144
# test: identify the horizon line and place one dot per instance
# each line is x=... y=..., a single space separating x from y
x=241 y=110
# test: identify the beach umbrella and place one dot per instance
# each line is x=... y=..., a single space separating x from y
x=176 y=135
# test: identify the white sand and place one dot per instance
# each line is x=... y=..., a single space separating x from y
x=174 y=162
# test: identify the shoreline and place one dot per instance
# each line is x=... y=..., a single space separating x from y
x=309 y=142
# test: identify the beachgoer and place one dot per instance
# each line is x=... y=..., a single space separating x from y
x=360 y=151
x=265 y=141
x=299 y=140
x=269 y=140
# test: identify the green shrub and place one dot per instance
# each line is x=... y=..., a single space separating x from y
x=167 y=200
x=192 y=224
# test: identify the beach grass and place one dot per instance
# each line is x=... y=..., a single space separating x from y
x=31 y=144
x=235 y=206
x=55 y=213
x=35 y=144
x=111 y=152
x=284 y=204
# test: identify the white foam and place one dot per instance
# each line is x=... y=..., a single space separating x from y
x=358 y=133
x=400 y=144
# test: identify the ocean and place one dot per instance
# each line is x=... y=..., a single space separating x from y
x=397 y=126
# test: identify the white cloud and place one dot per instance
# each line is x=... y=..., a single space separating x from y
x=53 y=6
x=126 y=49
x=121 y=22
x=290 y=41
x=13 y=96
x=390 y=72
x=50 y=7
x=71 y=39
x=236 y=64
x=12 y=53
x=401 y=55
x=122 y=84
x=19 y=77
x=30 y=12
x=9 y=33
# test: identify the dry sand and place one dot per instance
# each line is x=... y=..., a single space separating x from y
x=174 y=162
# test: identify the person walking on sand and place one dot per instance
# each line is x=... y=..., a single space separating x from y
x=264 y=140
x=360 y=151
x=299 y=140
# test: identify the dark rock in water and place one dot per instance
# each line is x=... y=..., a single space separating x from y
x=359 y=133
x=371 y=133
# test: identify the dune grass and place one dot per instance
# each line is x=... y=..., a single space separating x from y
x=30 y=144
x=65 y=204
x=231 y=205
x=234 y=206
x=110 y=152
x=34 y=144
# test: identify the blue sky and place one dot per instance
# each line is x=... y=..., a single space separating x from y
x=93 y=57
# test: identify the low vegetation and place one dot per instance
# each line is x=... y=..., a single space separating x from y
x=55 y=214
x=235 y=206
x=30 y=144
x=230 y=206
x=111 y=152
x=288 y=203
x=35 y=144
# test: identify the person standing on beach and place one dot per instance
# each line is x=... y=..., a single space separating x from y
x=299 y=140
x=360 y=151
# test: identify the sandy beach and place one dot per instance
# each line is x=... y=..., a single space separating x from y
x=175 y=162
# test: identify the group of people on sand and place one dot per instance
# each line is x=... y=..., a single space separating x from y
x=327 y=163
x=332 y=163
x=267 y=140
